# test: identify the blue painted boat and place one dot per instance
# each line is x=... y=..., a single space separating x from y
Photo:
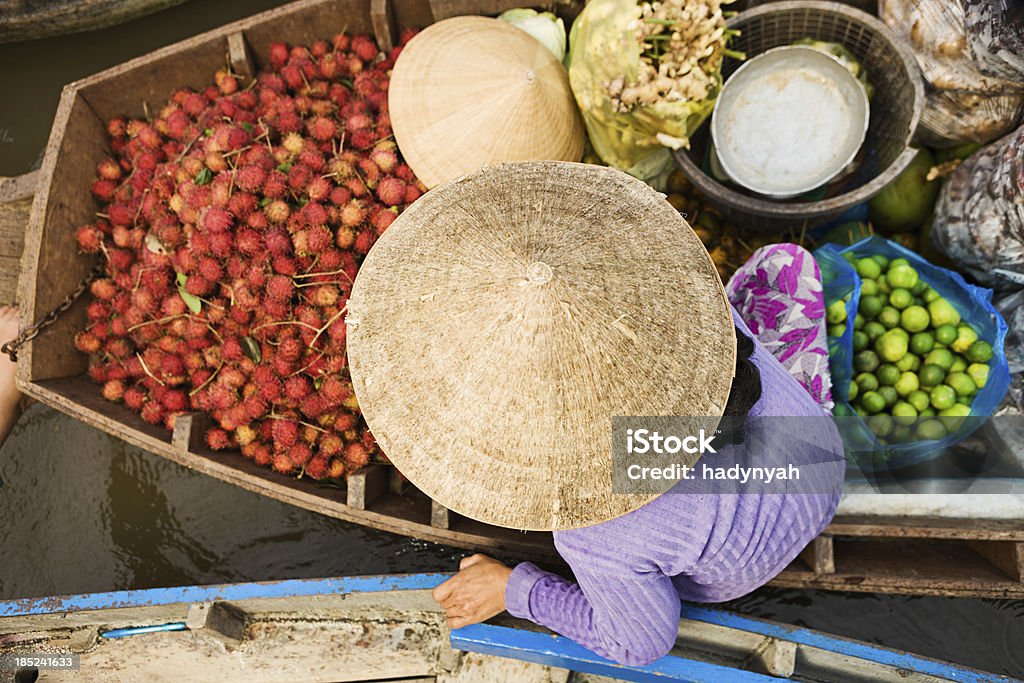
x=387 y=628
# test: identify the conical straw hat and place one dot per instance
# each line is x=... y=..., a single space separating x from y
x=504 y=318
x=471 y=91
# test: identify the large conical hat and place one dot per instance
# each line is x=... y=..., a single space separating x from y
x=504 y=318
x=471 y=91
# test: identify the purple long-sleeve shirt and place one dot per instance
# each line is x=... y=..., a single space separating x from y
x=632 y=571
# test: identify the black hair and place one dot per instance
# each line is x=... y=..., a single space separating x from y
x=745 y=392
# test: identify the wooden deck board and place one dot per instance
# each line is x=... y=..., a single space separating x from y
x=15 y=205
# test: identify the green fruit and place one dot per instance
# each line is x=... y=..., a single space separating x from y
x=887 y=374
x=851 y=392
x=901 y=298
x=901 y=433
x=836 y=312
x=866 y=382
x=959 y=152
x=921 y=342
x=899 y=261
x=889 y=394
x=945 y=334
x=942 y=397
x=868 y=288
x=889 y=317
x=927 y=412
x=904 y=413
x=962 y=383
x=914 y=319
x=881 y=259
x=953 y=417
x=865 y=361
x=860 y=341
x=902 y=276
x=965 y=336
x=858 y=321
x=874 y=330
x=978 y=374
x=979 y=352
x=941 y=357
x=907 y=384
x=959 y=364
x=931 y=375
x=891 y=346
x=919 y=399
x=860 y=411
x=943 y=313
x=906 y=202
x=930 y=430
x=919 y=288
x=870 y=306
x=880 y=425
x=836 y=330
x=909 y=363
x=872 y=402
x=868 y=268
x=883 y=287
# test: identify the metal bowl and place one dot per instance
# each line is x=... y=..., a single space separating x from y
x=788 y=121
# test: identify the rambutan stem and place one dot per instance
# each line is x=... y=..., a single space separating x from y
x=158 y=321
x=208 y=380
x=283 y=322
x=273 y=416
x=145 y=369
x=310 y=364
x=326 y=325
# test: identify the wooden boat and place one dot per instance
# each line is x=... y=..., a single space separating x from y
x=978 y=558
x=374 y=628
x=32 y=19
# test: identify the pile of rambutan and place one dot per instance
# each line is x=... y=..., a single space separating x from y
x=232 y=228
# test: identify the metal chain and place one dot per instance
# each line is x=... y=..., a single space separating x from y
x=33 y=330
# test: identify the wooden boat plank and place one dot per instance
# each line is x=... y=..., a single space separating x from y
x=928 y=527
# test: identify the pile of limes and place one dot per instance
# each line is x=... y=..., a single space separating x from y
x=916 y=366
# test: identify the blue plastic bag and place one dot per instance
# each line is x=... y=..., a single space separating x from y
x=974 y=304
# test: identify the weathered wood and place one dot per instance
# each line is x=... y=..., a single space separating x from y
x=440 y=516
x=30 y=20
x=928 y=527
x=366 y=485
x=775 y=658
x=383 y=19
x=239 y=56
x=13 y=221
x=818 y=555
x=1008 y=556
x=18 y=187
x=189 y=430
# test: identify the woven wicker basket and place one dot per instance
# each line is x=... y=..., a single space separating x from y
x=895 y=109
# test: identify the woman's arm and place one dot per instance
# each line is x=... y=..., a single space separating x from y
x=632 y=618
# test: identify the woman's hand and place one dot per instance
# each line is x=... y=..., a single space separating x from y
x=476 y=593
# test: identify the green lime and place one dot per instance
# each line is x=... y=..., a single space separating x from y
x=901 y=276
x=945 y=334
x=965 y=400
x=919 y=399
x=881 y=260
x=858 y=321
x=929 y=295
x=965 y=336
x=860 y=340
x=870 y=306
x=883 y=287
x=943 y=313
x=919 y=288
x=942 y=397
x=921 y=342
x=866 y=382
x=962 y=383
x=930 y=430
x=941 y=357
x=959 y=364
x=851 y=393
x=927 y=412
x=836 y=330
x=907 y=384
x=889 y=317
x=880 y=425
x=901 y=433
x=889 y=394
x=898 y=262
x=860 y=411
x=909 y=363
x=914 y=319
x=931 y=375
x=891 y=346
x=836 y=312
x=868 y=288
x=953 y=417
x=980 y=352
x=874 y=330
x=850 y=257
x=978 y=374
x=901 y=298
x=865 y=361
x=872 y=402
x=904 y=413
x=869 y=268
x=887 y=374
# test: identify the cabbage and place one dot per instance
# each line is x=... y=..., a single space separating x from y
x=545 y=27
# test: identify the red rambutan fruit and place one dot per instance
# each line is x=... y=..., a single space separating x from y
x=296 y=388
x=221 y=244
x=226 y=82
x=319 y=189
x=197 y=285
x=175 y=401
x=135 y=398
x=218 y=439
x=391 y=191
x=103 y=289
x=209 y=269
x=278 y=54
x=280 y=288
x=356 y=455
x=317 y=467
x=216 y=220
x=364 y=48
x=249 y=242
x=285 y=433
x=277 y=211
x=364 y=241
x=89 y=239
x=322 y=128
x=152 y=412
x=282 y=464
x=300 y=454
x=104 y=189
x=86 y=342
x=381 y=219
x=250 y=178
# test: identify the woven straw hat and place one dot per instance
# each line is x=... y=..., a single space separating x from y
x=502 y=321
x=471 y=91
